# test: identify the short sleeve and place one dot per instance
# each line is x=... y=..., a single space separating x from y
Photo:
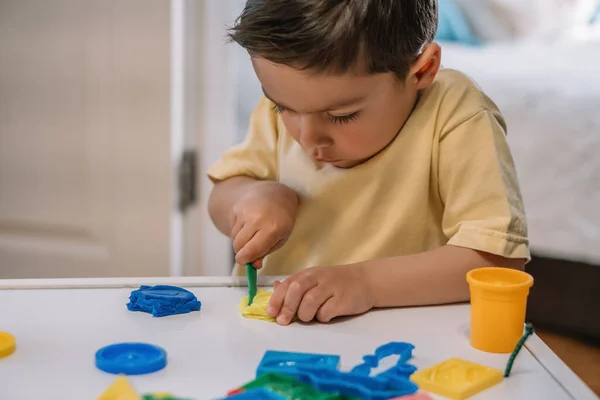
x=256 y=155
x=483 y=206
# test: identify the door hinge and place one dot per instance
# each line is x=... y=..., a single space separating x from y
x=187 y=180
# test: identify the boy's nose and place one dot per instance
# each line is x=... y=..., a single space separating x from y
x=312 y=134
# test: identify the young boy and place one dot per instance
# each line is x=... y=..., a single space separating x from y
x=369 y=175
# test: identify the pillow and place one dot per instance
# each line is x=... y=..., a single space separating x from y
x=453 y=25
x=596 y=17
x=508 y=20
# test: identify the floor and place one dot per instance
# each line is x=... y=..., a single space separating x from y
x=581 y=355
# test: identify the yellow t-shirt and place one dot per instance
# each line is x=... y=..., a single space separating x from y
x=447 y=178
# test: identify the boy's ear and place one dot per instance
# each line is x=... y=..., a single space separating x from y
x=427 y=65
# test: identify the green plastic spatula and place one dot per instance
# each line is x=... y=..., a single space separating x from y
x=251 y=275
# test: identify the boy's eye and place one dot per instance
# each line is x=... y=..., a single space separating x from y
x=337 y=119
x=278 y=109
x=344 y=119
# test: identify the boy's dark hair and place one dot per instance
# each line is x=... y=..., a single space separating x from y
x=332 y=34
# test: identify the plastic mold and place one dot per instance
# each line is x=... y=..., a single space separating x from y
x=273 y=361
x=353 y=385
x=120 y=389
x=162 y=396
x=290 y=388
x=256 y=394
x=415 y=396
x=320 y=371
x=8 y=344
x=457 y=379
x=401 y=370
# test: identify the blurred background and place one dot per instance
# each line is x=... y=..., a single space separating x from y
x=112 y=110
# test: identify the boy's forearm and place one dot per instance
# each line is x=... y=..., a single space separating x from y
x=434 y=277
x=223 y=197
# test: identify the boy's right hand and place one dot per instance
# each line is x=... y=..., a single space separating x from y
x=262 y=221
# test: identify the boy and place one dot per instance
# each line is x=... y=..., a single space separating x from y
x=369 y=175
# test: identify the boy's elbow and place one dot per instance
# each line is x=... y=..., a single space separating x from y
x=493 y=260
x=520 y=264
x=514 y=263
x=211 y=204
x=215 y=206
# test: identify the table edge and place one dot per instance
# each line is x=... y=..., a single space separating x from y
x=111 y=283
x=566 y=378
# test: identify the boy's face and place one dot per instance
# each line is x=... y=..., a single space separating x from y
x=342 y=120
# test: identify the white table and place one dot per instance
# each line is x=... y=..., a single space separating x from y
x=59 y=325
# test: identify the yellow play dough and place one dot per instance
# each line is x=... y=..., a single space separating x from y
x=258 y=308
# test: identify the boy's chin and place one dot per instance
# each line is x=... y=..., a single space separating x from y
x=345 y=163
x=339 y=163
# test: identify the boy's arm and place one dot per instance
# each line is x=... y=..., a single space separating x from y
x=248 y=163
x=483 y=219
x=258 y=215
x=434 y=277
x=223 y=197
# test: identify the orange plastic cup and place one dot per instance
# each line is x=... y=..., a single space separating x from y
x=498 y=305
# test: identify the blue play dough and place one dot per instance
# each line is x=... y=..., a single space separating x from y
x=163 y=300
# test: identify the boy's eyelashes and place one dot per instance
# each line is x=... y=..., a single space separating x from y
x=278 y=109
x=338 y=119
x=344 y=119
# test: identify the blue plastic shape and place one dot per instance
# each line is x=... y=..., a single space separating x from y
x=321 y=372
x=131 y=358
x=163 y=300
x=256 y=394
x=274 y=361
x=353 y=385
x=402 y=349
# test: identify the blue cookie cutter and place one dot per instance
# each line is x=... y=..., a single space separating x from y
x=399 y=373
x=353 y=385
x=274 y=361
x=402 y=349
x=321 y=372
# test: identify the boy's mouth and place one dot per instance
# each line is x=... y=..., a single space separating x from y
x=326 y=160
x=323 y=159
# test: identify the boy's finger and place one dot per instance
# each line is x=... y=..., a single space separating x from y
x=293 y=297
x=277 y=245
x=236 y=227
x=245 y=234
x=311 y=302
x=256 y=247
x=329 y=310
x=276 y=301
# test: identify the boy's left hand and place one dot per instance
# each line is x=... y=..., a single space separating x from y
x=321 y=292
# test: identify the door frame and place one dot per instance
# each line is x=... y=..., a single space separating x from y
x=203 y=108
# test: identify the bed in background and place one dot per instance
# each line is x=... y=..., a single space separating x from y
x=550 y=96
x=540 y=62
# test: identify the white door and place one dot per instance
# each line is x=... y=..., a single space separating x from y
x=86 y=172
